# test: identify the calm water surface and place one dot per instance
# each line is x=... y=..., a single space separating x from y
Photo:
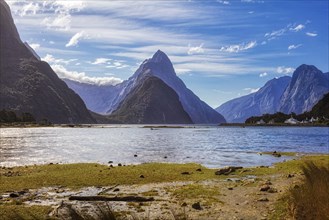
x=210 y=146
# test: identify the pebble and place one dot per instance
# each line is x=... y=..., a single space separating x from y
x=197 y=206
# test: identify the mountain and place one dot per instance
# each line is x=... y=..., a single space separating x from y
x=151 y=102
x=30 y=85
x=297 y=94
x=265 y=100
x=307 y=86
x=321 y=108
x=97 y=98
x=161 y=67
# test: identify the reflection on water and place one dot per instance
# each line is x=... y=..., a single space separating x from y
x=210 y=146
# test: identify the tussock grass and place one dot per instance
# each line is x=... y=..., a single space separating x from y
x=311 y=199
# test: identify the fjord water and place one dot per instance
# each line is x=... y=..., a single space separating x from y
x=211 y=146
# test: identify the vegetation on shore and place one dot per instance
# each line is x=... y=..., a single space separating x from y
x=77 y=176
x=319 y=114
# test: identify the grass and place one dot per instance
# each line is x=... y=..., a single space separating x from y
x=76 y=176
x=82 y=175
x=311 y=200
x=197 y=192
x=10 y=211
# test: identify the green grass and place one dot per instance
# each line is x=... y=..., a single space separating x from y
x=88 y=174
x=9 y=212
x=197 y=192
x=82 y=175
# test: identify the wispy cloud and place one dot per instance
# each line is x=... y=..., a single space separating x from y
x=195 y=50
x=75 y=39
x=297 y=28
x=311 y=34
x=293 y=46
x=285 y=70
x=224 y=2
x=35 y=46
x=62 y=72
x=238 y=47
x=101 y=61
x=52 y=60
x=263 y=74
x=251 y=90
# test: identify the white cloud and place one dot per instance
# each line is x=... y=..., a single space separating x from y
x=274 y=34
x=35 y=46
x=285 y=70
x=251 y=90
x=62 y=72
x=30 y=8
x=311 y=34
x=52 y=60
x=51 y=42
x=297 y=28
x=195 y=50
x=75 y=39
x=60 y=22
x=263 y=74
x=239 y=47
x=224 y=2
x=101 y=60
x=292 y=47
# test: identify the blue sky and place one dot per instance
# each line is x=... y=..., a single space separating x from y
x=221 y=49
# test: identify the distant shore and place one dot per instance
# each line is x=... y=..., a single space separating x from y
x=272 y=125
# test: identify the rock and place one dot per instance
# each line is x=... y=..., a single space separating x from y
x=264 y=199
x=272 y=190
x=119 y=164
x=185 y=173
x=184 y=204
x=276 y=154
x=227 y=170
x=199 y=170
x=230 y=188
x=141 y=176
x=197 y=206
x=116 y=190
x=264 y=188
x=13 y=195
x=290 y=175
x=22 y=192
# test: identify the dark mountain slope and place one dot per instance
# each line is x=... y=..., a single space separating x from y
x=151 y=102
x=30 y=85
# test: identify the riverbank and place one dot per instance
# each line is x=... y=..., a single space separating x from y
x=172 y=191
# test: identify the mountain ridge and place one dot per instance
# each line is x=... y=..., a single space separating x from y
x=304 y=89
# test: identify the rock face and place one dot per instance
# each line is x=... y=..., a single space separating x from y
x=307 y=87
x=151 y=102
x=297 y=94
x=265 y=100
x=158 y=66
x=30 y=85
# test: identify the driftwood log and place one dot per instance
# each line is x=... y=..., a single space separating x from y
x=116 y=198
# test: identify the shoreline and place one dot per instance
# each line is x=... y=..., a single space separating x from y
x=155 y=126
x=177 y=188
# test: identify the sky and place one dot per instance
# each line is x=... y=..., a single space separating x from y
x=221 y=49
